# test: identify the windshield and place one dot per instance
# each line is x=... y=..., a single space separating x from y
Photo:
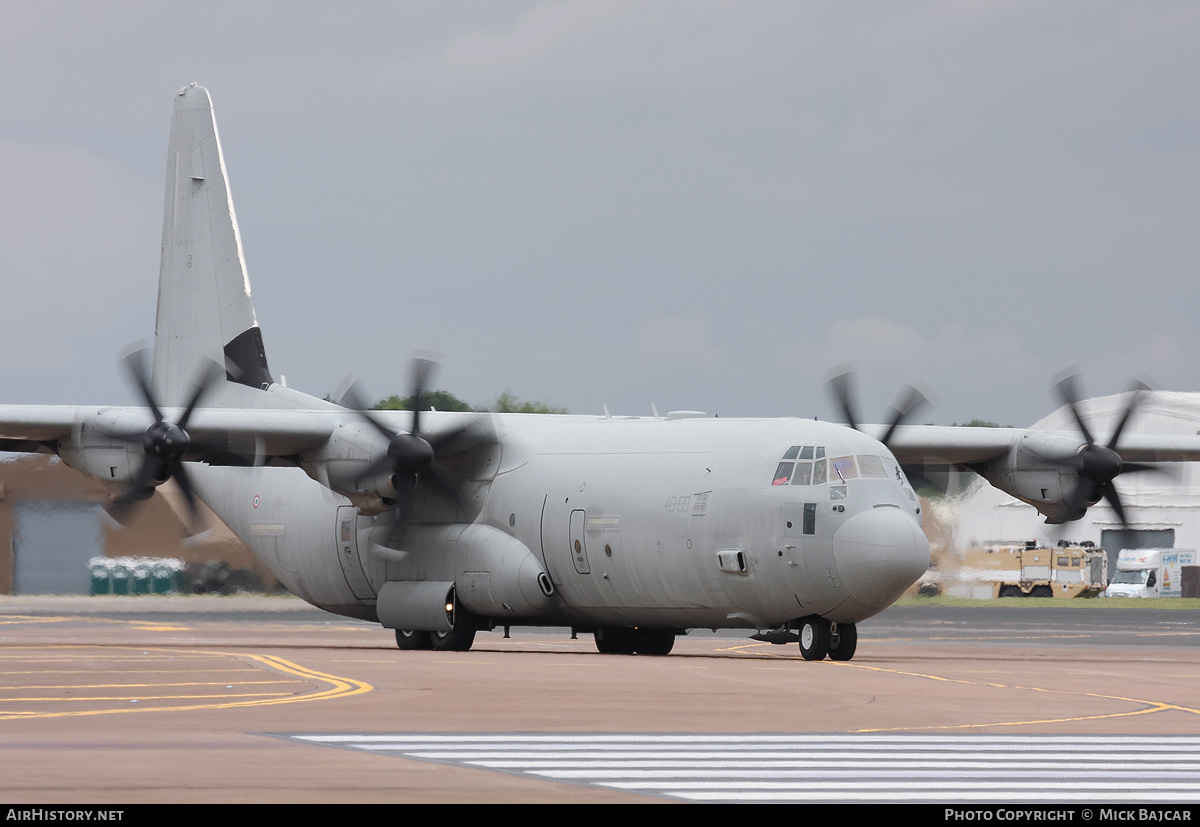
x=1133 y=577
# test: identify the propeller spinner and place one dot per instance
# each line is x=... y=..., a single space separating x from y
x=412 y=456
x=164 y=443
x=1095 y=465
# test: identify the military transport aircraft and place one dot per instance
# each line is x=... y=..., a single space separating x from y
x=439 y=524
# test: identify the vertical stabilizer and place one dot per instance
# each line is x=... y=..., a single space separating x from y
x=205 y=312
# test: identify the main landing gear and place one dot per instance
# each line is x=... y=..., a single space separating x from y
x=820 y=637
x=612 y=640
x=458 y=639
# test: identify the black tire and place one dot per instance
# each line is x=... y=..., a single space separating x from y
x=814 y=637
x=408 y=640
x=615 y=641
x=1011 y=591
x=845 y=642
x=654 y=641
x=458 y=639
x=1041 y=591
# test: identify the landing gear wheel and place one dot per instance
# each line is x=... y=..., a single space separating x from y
x=654 y=641
x=408 y=640
x=844 y=642
x=814 y=637
x=615 y=641
x=458 y=639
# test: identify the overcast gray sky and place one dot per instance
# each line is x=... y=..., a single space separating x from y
x=705 y=205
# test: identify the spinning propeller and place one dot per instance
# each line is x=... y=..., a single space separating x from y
x=1095 y=465
x=165 y=444
x=412 y=456
x=909 y=401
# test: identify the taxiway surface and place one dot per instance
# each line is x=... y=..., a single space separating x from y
x=250 y=699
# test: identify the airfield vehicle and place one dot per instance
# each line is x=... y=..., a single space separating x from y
x=1026 y=570
x=1150 y=572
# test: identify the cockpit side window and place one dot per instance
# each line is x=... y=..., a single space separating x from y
x=783 y=474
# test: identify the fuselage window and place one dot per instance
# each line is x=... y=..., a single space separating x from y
x=783 y=473
x=872 y=466
x=820 y=452
x=844 y=468
x=803 y=475
x=810 y=518
x=792 y=452
x=806 y=452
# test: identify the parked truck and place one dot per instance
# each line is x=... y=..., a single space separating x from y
x=1150 y=572
x=1027 y=570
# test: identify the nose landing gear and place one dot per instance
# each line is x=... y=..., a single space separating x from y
x=820 y=638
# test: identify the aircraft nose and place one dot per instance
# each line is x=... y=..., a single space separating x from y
x=879 y=554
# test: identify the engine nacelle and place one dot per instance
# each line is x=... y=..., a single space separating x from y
x=340 y=463
x=94 y=450
x=1026 y=473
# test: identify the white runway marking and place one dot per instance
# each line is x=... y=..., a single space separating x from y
x=865 y=768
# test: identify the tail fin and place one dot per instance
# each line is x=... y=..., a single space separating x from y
x=205 y=312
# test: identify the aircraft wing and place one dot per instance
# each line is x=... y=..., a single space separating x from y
x=947 y=444
x=269 y=432
x=954 y=445
x=35 y=423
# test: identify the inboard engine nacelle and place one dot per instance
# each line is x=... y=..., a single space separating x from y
x=342 y=464
x=1029 y=472
x=93 y=449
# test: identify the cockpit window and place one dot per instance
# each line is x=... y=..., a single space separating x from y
x=819 y=477
x=805 y=471
x=803 y=475
x=872 y=466
x=783 y=473
x=844 y=468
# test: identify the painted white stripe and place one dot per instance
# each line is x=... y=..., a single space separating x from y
x=1022 y=796
x=866 y=785
x=824 y=759
x=1025 y=743
x=867 y=768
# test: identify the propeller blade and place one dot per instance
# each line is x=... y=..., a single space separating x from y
x=1114 y=499
x=135 y=366
x=1136 y=391
x=1066 y=390
x=839 y=387
x=139 y=488
x=184 y=482
x=405 y=485
x=421 y=370
x=910 y=401
x=206 y=380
